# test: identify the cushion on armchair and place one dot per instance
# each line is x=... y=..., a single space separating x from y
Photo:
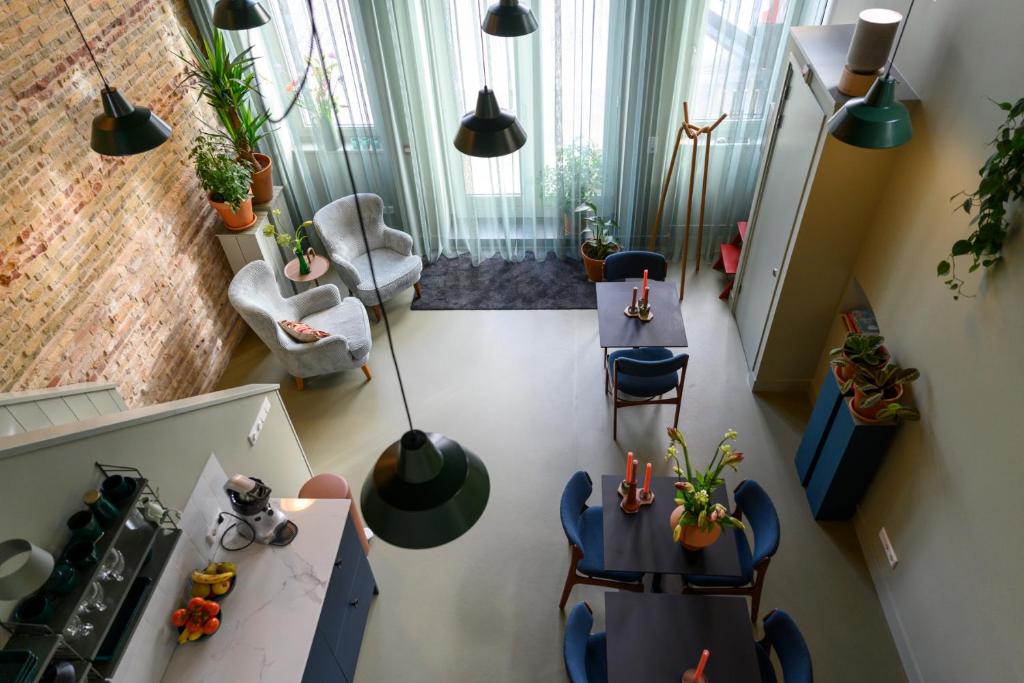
x=301 y=331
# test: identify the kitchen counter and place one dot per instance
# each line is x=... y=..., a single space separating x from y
x=269 y=620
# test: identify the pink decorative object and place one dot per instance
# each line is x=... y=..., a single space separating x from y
x=335 y=486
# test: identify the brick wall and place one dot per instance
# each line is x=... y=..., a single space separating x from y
x=108 y=266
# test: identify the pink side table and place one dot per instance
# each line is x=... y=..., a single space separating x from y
x=318 y=265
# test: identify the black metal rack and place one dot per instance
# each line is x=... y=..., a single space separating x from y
x=146 y=550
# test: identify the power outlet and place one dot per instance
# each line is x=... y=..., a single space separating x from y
x=261 y=418
x=890 y=554
x=652 y=143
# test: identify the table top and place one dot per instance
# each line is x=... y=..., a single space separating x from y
x=616 y=330
x=642 y=542
x=317 y=267
x=655 y=637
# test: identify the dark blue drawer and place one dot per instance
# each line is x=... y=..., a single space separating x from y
x=350 y=639
x=825 y=409
x=322 y=667
x=335 y=607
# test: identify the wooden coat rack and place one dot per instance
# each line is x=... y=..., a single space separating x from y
x=693 y=133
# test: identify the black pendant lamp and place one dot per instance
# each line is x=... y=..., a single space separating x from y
x=239 y=15
x=425 y=489
x=509 y=19
x=488 y=130
x=121 y=129
x=878 y=120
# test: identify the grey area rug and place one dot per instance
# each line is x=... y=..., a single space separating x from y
x=496 y=284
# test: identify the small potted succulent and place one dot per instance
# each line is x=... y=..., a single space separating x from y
x=864 y=350
x=697 y=522
x=877 y=392
x=305 y=253
x=225 y=180
x=598 y=241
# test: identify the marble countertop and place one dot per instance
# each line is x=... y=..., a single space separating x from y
x=271 y=615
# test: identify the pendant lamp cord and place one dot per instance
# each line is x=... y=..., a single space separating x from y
x=87 y=48
x=903 y=29
x=359 y=212
x=483 y=53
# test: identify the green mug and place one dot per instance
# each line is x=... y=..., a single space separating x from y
x=62 y=580
x=105 y=512
x=84 y=526
x=81 y=554
x=36 y=609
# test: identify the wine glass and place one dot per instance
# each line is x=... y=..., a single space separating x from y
x=93 y=599
x=76 y=628
x=112 y=566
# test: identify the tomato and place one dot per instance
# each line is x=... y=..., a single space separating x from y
x=178 y=617
x=195 y=603
x=211 y=608
x=211 y=626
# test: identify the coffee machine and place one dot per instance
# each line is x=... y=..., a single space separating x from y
x=260 y=520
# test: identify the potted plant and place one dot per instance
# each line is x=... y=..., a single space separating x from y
x=226 y=82
x=598 y=241
x=697 y=522
x=876 y=388
x=857 y=350
x=295 y=244
x=226 y=181
x=317 y=100
x=575 y=178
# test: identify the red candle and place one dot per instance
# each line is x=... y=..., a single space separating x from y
x=645 y=281
x=629 y=466
x=646 y=293
x=633 y=304
x=647 y=479
x=700 y=665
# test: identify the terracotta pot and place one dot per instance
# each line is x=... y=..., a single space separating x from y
x=262 y=182
x=693 y=538
x=845 y=372
x=593 y=266
x=871 y=414
x=235 y=220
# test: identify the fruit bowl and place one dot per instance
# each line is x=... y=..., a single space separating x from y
x=215 y=582
x=205 y=613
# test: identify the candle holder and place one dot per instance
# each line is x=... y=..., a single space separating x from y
x=630 y=505
x=690 y=676
x=632 y=311
x=644 y=311
x=645 y=497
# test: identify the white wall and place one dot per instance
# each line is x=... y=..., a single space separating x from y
x=949 y=492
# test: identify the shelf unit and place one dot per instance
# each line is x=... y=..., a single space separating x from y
x=146 y=550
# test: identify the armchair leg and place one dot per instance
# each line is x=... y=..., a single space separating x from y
x=300 y=384
x=366 y=371
x=419 y=289
x=376 y=312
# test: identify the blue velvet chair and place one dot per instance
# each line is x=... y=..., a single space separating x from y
x=781 y=632
x=754 y=503
x=626 y=264
x=586 y=654
x=584 y=529
x=645 y=375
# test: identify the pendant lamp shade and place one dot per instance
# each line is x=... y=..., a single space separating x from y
x=509 y=19
x=876 y=121
x=239 y=15
x=489 y=131
x=424 y=491
x=123 y=129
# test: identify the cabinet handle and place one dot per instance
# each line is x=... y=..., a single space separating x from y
x=353 y=603
x=775 y=272
x=338 y=563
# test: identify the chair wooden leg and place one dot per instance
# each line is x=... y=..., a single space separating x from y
x=570 y=579
x=376 y=312
x=419 y=290
x=615 y=418
x=300 y=384
x=679 y=404
x=366 y=371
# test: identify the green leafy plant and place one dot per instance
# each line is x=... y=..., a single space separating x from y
x=220 y=174
x=1002 y=181
x=575 y=177
x=897 y=411
x=598 y=238
x=295 y=243
x=859 y=349
x=226 y=82
x=875 y=383
x=694 y=487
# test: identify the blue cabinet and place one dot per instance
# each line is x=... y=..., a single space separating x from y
x=339 y=632
x=817 y=428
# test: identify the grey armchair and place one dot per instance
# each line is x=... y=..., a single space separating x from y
x=396 y=267
x=254 y=294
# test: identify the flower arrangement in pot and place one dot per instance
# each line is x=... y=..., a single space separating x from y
x=858 y=350
x=304 y=254
x=877 y=393
x=226 y=181
x=697 y=522
x=598 y=241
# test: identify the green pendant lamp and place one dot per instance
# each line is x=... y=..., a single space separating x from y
x=509 y=19
x=878 y=120
x=121 y=129
x=239 y=15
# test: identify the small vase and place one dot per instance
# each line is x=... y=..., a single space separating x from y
x=693 y=538
x=629 y=502
x=303 y=264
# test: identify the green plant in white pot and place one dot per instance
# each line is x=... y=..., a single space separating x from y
x=226 y=181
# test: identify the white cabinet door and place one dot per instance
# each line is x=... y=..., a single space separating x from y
x=787 y=175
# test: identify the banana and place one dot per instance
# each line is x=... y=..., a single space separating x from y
x=201 y=577
x=226 y=567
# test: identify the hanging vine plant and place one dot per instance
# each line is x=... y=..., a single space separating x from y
x=1002 y=181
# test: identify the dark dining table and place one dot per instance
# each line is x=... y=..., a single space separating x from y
x=656 y=637
x=616 y=330
x=642 y=542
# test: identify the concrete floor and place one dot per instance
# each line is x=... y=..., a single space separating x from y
x=524 y=390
